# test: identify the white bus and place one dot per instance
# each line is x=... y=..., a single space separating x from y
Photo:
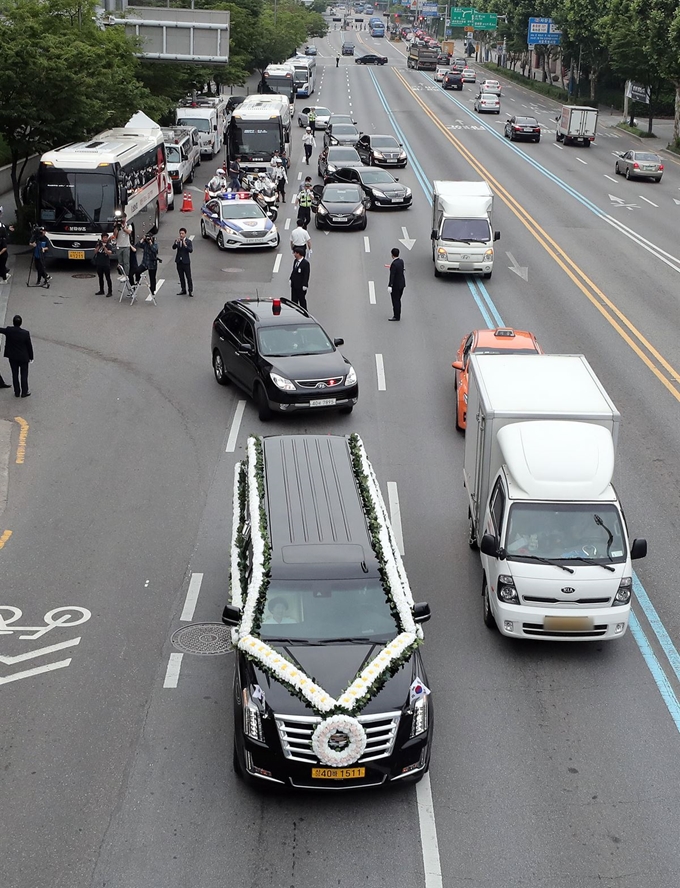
x=305 y=75
x=83 y=188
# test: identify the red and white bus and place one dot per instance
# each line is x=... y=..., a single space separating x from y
x=83 y=188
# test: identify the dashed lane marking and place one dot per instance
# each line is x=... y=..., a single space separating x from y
x=191 y=597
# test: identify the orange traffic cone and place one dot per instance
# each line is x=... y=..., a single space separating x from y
x=187 y=203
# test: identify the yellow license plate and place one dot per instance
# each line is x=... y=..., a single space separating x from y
x=567 y=624
x=337 y=773
x=76 y=254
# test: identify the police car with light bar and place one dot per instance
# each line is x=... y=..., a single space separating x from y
x=235 y=220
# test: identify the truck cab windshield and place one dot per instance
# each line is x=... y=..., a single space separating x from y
x=590 y=532
x=467 y=231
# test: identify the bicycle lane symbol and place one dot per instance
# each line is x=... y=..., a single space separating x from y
x=58 y=618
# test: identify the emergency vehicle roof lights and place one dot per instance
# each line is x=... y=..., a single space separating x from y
x=276 y=306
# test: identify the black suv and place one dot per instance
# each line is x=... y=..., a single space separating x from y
x=348 y=49
x=282 y=357
x=453 y=80
x=326 y=613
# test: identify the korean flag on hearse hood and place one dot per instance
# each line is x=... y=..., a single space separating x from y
x=417 y=690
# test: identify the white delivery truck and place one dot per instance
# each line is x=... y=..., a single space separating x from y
x=209 y=115
x=273 y=102
x=539 y=457
x=182 y=153
x=462 y=228
x=576 y=123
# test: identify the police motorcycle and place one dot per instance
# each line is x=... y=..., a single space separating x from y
x=263 y=191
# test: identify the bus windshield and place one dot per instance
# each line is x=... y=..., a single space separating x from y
x=202 y=124
x=261 y=138
x=76 y=196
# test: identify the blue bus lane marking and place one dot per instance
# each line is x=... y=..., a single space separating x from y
x=488 y=309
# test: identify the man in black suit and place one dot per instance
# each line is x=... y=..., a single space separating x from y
x=299 y=278
x=19 y=352
x=396 y=284
x=184 y=248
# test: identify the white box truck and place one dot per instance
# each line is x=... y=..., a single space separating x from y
x=209 y=115
x=462 y=228
x=576 y=123
x=539 y=457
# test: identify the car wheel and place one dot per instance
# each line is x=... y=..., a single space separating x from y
x=191 y=175
x=317 y=224
x=617 y=171
x=220 y=241
x=658 y=179
x=300 y=124
x=346 y=410
x=472 y=539
x=628 y=173
x=219 y=369
x=264 y=411
x=204 y=233
x=238 y=770
x=537 y=140
x=362 y=227
x=489 y=620
x=512 y=136
x=437 y=272
x=487 y=275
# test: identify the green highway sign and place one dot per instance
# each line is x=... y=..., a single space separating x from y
x=468 y=17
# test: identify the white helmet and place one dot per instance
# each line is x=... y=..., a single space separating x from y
x=220 y=172
x=261 y=175
x=309 y=129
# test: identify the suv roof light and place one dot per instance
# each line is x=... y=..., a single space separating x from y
x=504 y=331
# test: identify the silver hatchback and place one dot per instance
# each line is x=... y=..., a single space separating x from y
x=639 y=165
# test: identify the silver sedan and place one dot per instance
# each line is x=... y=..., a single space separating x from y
x=639 y=165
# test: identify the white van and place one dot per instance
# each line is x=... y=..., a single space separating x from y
x=183 y=154
x=209 y=115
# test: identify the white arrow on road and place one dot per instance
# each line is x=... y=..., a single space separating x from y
x=520 y=271
x=620 y=202
x=406 y=240
x=676 y=200
x=40 y=652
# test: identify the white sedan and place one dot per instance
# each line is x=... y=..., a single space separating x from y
x=490 y=86
x=441 y=72
x=322 y=115
x=469 y=75
x=236 y=221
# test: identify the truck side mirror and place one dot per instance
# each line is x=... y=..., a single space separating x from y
x=638 y=549
x=421 y=612
x=489 y=545
x=231 y=615
x=433 y=235
x=496 y=235
x=457 y=365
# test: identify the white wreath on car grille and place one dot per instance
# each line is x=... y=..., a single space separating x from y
x=341 y=731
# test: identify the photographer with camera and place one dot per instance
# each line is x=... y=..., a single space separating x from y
x=123 y=236
x=150 y=259
x=39 y=243
x=183 y=249
x=102 y=262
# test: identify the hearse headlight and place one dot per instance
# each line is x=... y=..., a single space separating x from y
x=421 y=716
x=624 y=591
x=252 y=718
x=506 y=589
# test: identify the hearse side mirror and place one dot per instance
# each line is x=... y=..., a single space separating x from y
x=421 y=612
x=489 y=545
x=496 y=235
x=638 y=549
x=338 y=342
x=433 y=235
x=231 y=615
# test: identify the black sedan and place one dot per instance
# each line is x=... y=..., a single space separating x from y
x=334 y=157
x=282 y=357
x=453 y=80
x=337 y=205
x=522 y=128
x=382 y=189
x=376 y=150
x=370 y=59
x=340 y=134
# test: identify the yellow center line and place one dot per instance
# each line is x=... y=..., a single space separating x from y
x=4 y=538
x=604 y=305
x=23 y=434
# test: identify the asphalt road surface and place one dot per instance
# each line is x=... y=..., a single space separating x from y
x=554 y=766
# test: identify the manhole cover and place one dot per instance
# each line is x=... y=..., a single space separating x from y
x=83 y=275
x=208 y=639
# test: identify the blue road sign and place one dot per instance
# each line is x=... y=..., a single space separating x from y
x=543 y=31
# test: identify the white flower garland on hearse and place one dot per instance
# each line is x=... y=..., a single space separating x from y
x=251 y=603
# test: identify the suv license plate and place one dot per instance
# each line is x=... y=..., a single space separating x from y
x=76 y=254
x=337 y=773
x=323 y=402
